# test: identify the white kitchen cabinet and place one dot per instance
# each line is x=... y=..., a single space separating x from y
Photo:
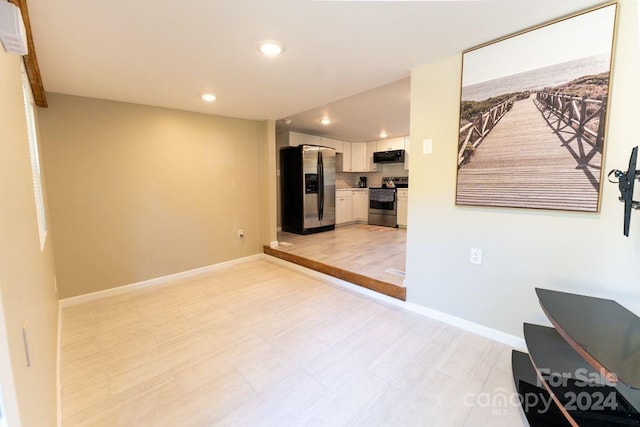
x=358 y=157
x=403 y=202
x=360 y=204
x=391 y=144
x=372 y=147
x=336 y=144
x=343 y=160
x=344 y=206
x=294 y=139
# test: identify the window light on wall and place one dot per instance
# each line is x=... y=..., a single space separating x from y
x=35 y=161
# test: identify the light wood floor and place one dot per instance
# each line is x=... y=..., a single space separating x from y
x=258 y=344
x=369 y=250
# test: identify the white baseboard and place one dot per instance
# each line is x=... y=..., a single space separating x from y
x=71 y=301
x=476 y=328
x=58 y=360
x=467 y=325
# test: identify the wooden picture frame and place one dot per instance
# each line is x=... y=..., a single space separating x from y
x=533 y=112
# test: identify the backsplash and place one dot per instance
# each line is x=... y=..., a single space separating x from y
x=374 y=179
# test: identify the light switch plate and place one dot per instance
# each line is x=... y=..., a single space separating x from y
x=427 y=146
x=475 y=257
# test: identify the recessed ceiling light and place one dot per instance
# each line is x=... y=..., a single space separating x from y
x=208 y=97
x=326 y=121
x=383 y=134
x=271 y=48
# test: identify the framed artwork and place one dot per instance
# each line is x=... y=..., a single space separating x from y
x=533 y=116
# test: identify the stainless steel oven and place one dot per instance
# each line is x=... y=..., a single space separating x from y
x=383 y=201
x=383 y=207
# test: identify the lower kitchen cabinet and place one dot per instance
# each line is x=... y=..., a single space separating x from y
x=352 y=205
x=361 y=205
x=403 y=202
x=344 y=206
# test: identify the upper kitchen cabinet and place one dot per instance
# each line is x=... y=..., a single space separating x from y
x=391 y=144
x=354 y=158
x=372 y=147
x=336 y=144
x=343 y=160
x=359 y=161
x=294 y=139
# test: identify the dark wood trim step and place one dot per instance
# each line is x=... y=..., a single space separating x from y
x=385 y=288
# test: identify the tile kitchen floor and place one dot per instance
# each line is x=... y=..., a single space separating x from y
x=259 y=344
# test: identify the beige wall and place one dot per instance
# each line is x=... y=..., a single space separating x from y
x=269 y=183
x=26 y=274
x=140 y=192
x=522 y=249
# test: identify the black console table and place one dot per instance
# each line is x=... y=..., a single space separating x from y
x=586 y=370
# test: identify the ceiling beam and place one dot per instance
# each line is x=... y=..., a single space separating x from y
x=30 y=60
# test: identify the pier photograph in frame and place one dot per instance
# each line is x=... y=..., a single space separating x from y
x=533 y=115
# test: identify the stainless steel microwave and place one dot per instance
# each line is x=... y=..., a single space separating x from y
x=393 y=156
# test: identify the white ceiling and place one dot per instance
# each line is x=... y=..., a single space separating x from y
x=166 y=53
x=359 y=117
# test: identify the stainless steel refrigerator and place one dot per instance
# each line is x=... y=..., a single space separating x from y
x=308 y=183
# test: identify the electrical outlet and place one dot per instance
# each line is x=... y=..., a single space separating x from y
x=240 y=233
x=475 y=256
